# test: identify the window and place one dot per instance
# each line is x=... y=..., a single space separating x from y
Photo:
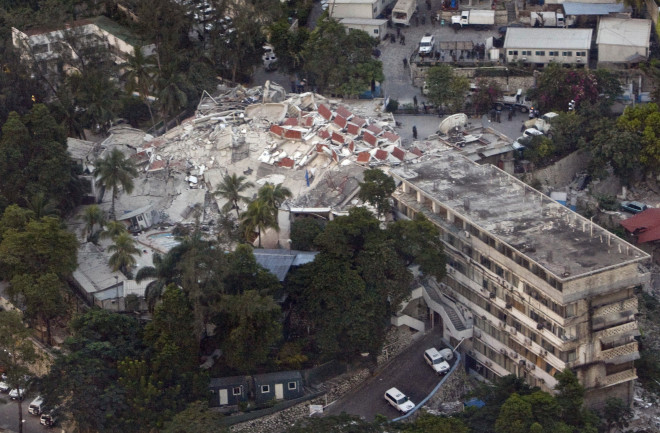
x=140 y=218
x=526 y=53
x=375 y=31
x=567 y=53
x=571 y=310
x=237 y=390
x=292 y=385
x=580 y=53
x=265 y=389
x=513 y=53
x=540 y=53
x=553 y=53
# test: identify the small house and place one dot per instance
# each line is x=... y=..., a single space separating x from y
x=229 y=391
x=140 y=219
x=541 y=46
x=369 y=9
x=282 y=385
x=623 y=41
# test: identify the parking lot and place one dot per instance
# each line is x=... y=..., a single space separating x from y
x=408 y=372
x=9 y=415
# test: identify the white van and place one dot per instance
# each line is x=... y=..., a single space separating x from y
x=399 y=400
x=36 y=406
x=436 y=361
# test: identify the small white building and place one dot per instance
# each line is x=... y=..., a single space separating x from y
x=374 y=27
x=541 y=46
x=623 y=40
x=369 y=9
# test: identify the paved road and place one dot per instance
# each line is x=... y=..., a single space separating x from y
x=408 y=372
x=9 y=415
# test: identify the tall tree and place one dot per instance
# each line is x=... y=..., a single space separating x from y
x=115 y=171
x=17 y=354
x=446 y=88
x=139 y=71
x=258 y=216
x=123 y=251
x=377 y=189
x=230 y=189
x=273 y=196
x=515 y=416
x=92 y=216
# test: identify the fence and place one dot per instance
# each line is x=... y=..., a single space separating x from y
x=248 y=416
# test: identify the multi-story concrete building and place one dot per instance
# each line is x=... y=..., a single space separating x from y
x=541 y=46
x=532 y=287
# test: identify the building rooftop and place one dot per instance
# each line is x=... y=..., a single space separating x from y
x=625 y=32
x=559 y=240
x=362 y=21
x=278 y=262
x=575 y=8
x=548 y=38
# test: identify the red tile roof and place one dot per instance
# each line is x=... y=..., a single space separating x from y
x=646 y=225
x=398 y=153
x=323 y=133
x=290 y=121
x=351 y=146
x=325 y=112
x=286 y=162
x=370 y=138
x=391 y=137
x=381 y=154
x=353 y=129
x=307 y=121
x=338 y=138
x=374 y=129
x=343 y=112
x=364 y=157
x=276 y=130
x=293 y=134
x=358 y=121
x=416 y=151
x=157 y=165
x=340 y=121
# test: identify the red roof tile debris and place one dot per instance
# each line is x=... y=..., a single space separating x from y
x=293 y=134
x=335 y=157
x=374 y=129
x=353 y=129
x=140 y=157
x=339 y=121
x=416 y=151
x=398 y=153
x=290 y=121
x=381 y=154
x=157 y=165
x=343 y=112
x=325 y=112
x=323 y=133
x=359 y=121
x=351 y=146
x=364 y=157
x=391 y=137
x=370 y=138
x=276 y=130
x=286 y=162
x=307 y=121
x=337 y=138
x=319 y=147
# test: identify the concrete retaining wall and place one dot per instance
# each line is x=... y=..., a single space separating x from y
x=562 y=171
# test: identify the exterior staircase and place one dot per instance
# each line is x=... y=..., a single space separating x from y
x=511 y=11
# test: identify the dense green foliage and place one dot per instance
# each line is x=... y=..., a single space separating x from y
x=446 y=88
x=377 y=189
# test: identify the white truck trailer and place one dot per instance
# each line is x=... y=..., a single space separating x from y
x=481 y=18
x=547 y=19
x=403 y=11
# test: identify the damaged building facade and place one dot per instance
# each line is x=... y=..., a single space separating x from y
x=532 y=287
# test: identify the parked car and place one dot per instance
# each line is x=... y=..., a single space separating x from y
x=531 y=132
x=634 y=207
x=17 y=394
x=427 y=44
x=49 y=418
x=4 y=387
x=399 y=400
x=436 y=361
x=36 y=405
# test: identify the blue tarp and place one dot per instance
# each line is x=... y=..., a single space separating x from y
x=475 y=402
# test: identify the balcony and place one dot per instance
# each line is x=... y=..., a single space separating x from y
x=617 y=355
x=617 y=378
x=626 y=306
x=610 y=335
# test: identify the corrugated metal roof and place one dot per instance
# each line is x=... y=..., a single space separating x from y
x=548 y=38
x=276 y=377
x=278 y=262
x=362 y=21
x=625 y=32
x=571 y=8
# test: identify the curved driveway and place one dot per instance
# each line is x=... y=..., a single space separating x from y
x=408 y=372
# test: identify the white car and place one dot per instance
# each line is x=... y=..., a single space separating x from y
x=17 y=394
x=427 y=44
x=436 y=361
x=4 y=387
x=531 y=132
x=399 y=400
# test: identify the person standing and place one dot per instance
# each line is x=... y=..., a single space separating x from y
x=414 y=131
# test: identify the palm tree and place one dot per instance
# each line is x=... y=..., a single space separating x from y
x=42 y=206
x=259 y=216
x=115 y=171
x=139 y=72
x=230 y=189
x=273 y=196
x=171 y=96
x=92 y=216
x=123 y=251
x=113 y=229
x=165 y=271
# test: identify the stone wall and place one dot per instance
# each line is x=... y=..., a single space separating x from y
x=561 y=172
x=508 y=84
